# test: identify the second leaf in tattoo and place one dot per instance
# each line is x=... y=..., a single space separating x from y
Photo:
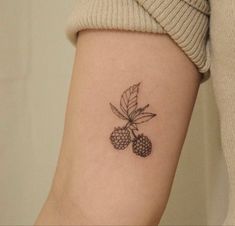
x=121 y=137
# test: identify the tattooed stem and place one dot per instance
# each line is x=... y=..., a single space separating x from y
x=127 y=125
x=133 y=133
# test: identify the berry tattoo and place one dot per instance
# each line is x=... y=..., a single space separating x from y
x=121 y=137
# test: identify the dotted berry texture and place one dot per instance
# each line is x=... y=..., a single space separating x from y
x=142 y=146
x=120 y=138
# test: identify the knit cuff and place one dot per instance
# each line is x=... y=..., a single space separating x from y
x=185 y=21
x=110 y=14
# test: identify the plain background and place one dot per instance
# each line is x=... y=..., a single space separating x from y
x=36 y=63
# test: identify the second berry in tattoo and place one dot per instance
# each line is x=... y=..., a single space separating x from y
x=121 y=137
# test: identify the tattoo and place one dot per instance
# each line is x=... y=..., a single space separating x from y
x=121 y=137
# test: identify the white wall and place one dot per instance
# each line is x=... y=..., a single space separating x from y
x=35 y=68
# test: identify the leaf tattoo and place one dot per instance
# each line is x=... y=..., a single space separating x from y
x=138 y=111
x=143 y=117
x=121 y=137
x=128 y=101
x=117 y=112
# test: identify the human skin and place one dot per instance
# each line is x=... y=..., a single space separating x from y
x=94 y=183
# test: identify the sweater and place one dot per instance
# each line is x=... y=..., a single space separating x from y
x=204 y=30
x=222 y=70
x=185 y=21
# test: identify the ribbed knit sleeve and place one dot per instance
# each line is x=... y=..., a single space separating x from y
x=185 y=21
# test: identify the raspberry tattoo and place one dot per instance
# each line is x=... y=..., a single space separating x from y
x=142 y=145
x=121 y=137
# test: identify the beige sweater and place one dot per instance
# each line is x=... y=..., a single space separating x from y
x=187 y=22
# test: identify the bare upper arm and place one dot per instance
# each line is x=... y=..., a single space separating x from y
x=95 y=183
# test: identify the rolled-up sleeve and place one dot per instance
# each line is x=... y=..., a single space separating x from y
x=185 y=21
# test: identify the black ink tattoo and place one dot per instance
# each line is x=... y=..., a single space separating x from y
x=121 y=137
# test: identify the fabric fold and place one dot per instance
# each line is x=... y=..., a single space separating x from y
x=185 y=21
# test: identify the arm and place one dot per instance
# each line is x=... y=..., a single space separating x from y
x=95 y=184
